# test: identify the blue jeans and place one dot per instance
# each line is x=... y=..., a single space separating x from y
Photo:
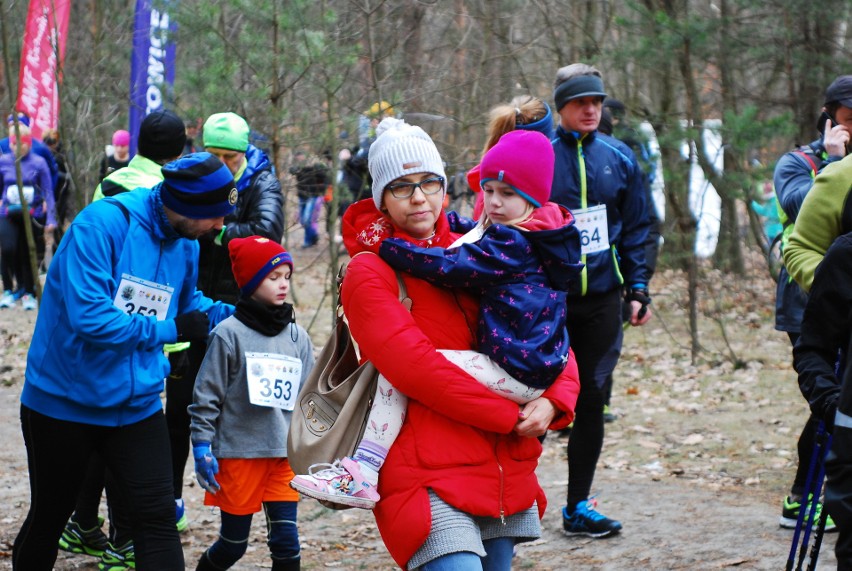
x=309 y=211
x=498 y=557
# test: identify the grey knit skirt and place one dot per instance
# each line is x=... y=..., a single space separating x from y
x=454 y=531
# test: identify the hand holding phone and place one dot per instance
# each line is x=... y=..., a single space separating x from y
x=835 y=137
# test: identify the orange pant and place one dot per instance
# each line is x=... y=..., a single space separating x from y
x=245 y=483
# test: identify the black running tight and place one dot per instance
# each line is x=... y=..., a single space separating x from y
x=805 y=445
x=594 y=328
x=179 y=389
x=136 y=455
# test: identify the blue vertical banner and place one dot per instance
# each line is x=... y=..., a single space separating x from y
x=152 y=67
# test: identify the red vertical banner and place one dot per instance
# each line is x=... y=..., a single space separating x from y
x=41 y=63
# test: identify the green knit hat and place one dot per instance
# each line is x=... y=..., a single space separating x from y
x=226 y=131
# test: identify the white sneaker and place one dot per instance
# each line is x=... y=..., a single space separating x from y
x=7 y=300
x=340 y=483
x=28 y=302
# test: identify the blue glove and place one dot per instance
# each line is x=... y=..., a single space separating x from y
x=206 y=466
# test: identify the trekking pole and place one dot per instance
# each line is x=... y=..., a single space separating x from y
x=822 y=445
x=791 y=558
x=823 y=516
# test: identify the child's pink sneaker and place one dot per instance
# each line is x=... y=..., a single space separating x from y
x=339 y=483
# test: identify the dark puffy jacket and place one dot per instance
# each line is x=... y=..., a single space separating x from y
x=614 y=179
x=356 y=176
x=311 y=180
x=260 y=212
x=826 y=328
x=827 y=384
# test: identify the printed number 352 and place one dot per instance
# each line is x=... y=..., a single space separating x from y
x=132 y=308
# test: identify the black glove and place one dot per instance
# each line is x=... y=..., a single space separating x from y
x=179 y=362
x=828 y=412
x=640 y=295
x=192 y=326
x=626 y=311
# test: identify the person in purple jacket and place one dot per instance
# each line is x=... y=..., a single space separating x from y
x=37 y=186
x=519 y=258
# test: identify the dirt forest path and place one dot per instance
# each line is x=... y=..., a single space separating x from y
x=667 y=525
x=695 y=467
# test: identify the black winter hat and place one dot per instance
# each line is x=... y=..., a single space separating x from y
x=162 y=135
x=840 y=91
x=615 y=106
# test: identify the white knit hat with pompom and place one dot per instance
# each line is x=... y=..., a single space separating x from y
x=401 y=149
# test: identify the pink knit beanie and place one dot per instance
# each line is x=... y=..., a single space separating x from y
x=121 y=138
x=524 y=161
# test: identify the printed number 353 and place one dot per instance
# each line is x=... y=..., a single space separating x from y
x=277 y=389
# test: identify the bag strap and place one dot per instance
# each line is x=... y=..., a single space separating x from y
x=403 y=292
x=404 y=299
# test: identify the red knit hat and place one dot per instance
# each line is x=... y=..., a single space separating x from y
x=253 y=258
x=524 y=161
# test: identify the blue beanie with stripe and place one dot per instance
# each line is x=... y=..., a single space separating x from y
x=198 y=186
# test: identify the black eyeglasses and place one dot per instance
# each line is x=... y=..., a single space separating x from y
x=428 y=186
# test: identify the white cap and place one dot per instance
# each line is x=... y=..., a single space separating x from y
x=401 y=149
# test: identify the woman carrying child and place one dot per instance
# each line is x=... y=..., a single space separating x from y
x=458 y=487
x=520 y=246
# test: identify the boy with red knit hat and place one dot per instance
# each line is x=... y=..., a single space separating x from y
x=244 y=396
x=519 y=258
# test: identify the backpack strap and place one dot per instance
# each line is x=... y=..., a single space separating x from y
x=123 y=209
x=126 y=214
x=809 y=160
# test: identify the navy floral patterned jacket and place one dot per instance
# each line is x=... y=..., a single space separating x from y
x=522 y=275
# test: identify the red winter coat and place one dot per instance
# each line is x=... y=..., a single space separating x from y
x=457 y=436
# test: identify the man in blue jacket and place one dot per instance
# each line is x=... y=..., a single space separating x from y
x=121 y=285
x=598 y=179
